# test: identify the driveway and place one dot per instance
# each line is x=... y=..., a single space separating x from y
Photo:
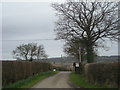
x=59 y=80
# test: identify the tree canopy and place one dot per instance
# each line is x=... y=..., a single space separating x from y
x=91 y=22
x=29 y=52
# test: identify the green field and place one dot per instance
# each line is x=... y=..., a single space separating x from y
x=29 y=82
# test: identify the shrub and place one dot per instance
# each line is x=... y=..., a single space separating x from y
x=103 y=73
x=13 y=71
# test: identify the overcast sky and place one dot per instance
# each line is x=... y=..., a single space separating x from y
x=24 y=22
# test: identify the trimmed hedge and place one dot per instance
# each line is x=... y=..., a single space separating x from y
x=62 y=69
x=13 y=71
x=103 y=73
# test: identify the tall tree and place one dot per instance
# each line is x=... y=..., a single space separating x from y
x=89 y=21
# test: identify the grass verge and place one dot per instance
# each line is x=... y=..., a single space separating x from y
x=81 y=81
x=29 y=82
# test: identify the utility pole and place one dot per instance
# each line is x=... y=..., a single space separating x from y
x=79 y=54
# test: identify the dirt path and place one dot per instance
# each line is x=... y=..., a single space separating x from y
x=60 y=80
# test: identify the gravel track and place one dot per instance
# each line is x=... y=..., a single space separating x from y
x=59 y=80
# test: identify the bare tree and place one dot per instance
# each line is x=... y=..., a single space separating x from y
x=41 y=52
x=32 y=50
x=89 y=21
x=75 y=48
x=21 y=52
x=29 y=51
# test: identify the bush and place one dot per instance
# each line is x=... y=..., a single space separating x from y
x=62 y=69
x=13 y=71
x=103 y=73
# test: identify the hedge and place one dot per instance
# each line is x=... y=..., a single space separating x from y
x=103 y=73
x=13 y=71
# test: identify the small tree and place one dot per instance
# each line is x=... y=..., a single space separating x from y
x=21 y=52
x=41 y=52
x=32 y=50
x=29 y=52
x=75 y=48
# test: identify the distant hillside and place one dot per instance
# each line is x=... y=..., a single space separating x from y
x=59 y=59
x=73 y=59
x=107 y=59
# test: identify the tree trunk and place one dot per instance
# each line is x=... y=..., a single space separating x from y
x=31 y=58
x=90 y=54
x=26 y=57
x=81 y=57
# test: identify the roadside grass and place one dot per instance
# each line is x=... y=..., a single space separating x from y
x=31 y=81
x=81 y=81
